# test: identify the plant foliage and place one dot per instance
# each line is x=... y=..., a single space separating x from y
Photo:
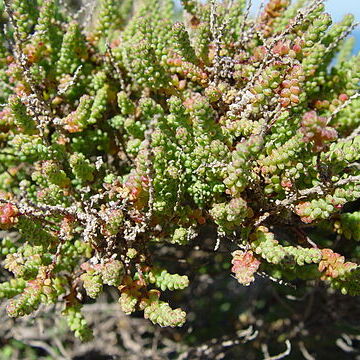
x=128 y=129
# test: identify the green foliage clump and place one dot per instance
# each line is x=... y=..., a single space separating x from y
x=138 y=130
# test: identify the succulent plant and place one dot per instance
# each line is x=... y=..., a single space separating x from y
x=132 y=128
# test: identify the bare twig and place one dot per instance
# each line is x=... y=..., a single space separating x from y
x=305 y=352
x=70 y=83
x=342 y=107
x=281 y=355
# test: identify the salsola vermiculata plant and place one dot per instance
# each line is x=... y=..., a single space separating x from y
x=128 y=129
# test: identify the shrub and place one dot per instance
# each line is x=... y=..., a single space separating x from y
x=129 y=130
